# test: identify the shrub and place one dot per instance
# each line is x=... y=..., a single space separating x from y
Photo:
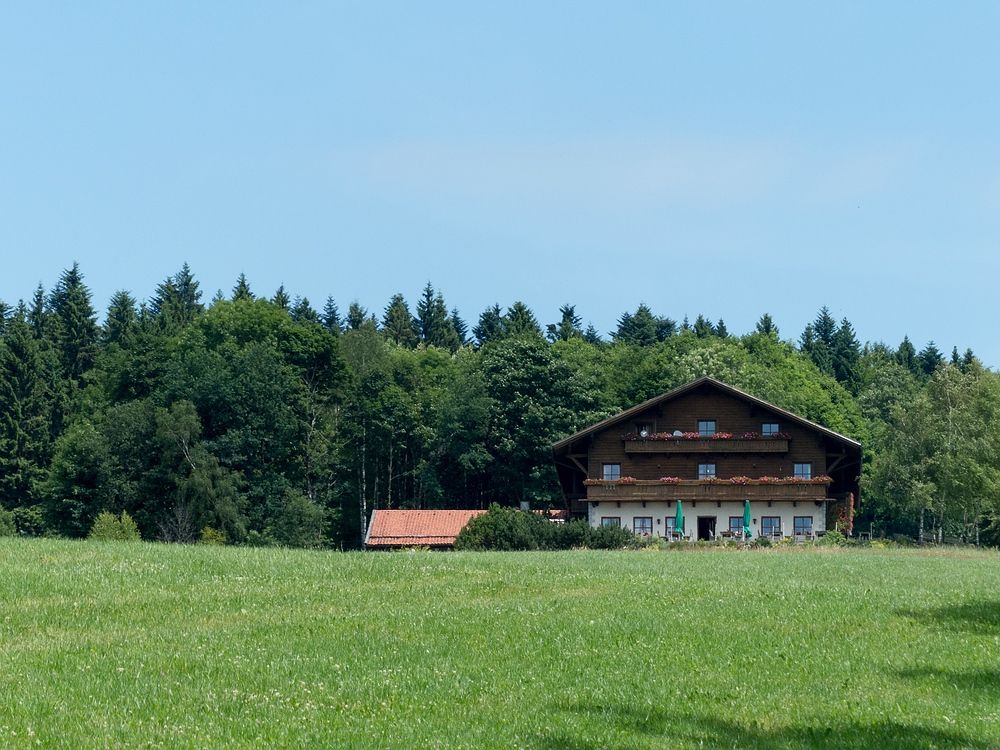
x=29 y=520
x=832 y=539
x=298 y=523
x=612 y=537
x=7 y=525
x=212 y=536
x=109 y=527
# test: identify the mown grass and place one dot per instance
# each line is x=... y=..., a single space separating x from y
x=140 y=645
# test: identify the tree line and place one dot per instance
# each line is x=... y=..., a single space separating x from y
x=263 y=420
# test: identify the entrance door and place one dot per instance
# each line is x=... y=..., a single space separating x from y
x=706 y=528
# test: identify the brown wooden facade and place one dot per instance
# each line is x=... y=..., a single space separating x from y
x=658 y=458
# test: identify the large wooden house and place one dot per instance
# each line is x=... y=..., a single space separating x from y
x=711 y=448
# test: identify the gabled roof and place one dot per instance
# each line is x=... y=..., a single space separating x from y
x=413 y=528
x=687 y=388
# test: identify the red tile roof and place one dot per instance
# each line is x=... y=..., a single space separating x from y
x=410 y=528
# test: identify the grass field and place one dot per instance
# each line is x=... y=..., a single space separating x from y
x=141 y=645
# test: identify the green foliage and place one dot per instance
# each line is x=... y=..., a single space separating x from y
x=111 y=528
x=831 y=539
x=506 y=529
x=212 y=536
x=8 y=524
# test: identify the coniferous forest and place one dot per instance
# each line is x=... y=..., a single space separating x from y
x=260 y=419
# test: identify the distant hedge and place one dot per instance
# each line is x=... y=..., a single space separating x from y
x=508 y=529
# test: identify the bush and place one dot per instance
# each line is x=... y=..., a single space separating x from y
x=831 y=539
x=508 y=529
x=109 y=527
x=30 y=521
x=299 y=522
x=212 y=536
x=7 y=525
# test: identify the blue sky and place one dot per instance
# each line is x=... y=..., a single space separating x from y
x=729 y=159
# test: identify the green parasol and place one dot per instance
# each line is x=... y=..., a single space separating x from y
x=746 y=519
x=679 y=519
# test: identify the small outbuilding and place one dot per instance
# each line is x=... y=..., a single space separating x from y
x=437 y=529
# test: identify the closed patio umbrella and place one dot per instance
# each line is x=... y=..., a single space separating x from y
x=679 y=519
x=746 y=519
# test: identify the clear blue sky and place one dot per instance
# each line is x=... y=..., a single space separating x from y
x=729 y=159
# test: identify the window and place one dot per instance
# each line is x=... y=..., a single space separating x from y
x=803 y=471
x=612 y=472
x=706 y=471
x=611 y=521
x=643 y=526
x=672 y=525
x=736 y=524
x=642 y=429
x=770 y=525
x=706 y=427
x=768 y=429
x=803 y=525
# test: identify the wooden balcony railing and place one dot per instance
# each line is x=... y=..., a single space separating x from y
x=683 y=445
x=694 y=489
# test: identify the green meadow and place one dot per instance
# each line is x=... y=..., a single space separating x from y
x=148 y=645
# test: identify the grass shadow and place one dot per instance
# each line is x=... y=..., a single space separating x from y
x=975 y=617
x=641 y=728
x=984 y=682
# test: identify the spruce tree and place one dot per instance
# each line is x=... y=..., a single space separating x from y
x=122 y=321
x=24 y=417
x=568 y=326
x=281 y=298
x=302 y=312
x=356 y=316
x=720 y=329
x=766 y=326
x=177 y=301
x=398 y=324
x=75 y=322
x=520 y=321
x=592 y=335
x=242 y=289
x=331 y=317
x=703 y=327
x=643 y=328
x=459 y=326
x=929 y=359
x=490 y=326
x=906 y=355
x=433 y=323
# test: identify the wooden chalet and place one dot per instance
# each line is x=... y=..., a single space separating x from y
x=711 y=448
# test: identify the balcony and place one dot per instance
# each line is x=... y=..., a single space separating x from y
x=685 y=445
x=695 y=489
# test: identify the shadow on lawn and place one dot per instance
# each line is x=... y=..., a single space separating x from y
x=984 y=683
x=976 y=617
x=641 y=728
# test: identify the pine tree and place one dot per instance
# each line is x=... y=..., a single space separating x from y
x=177 y=301
x=592 y=335
x=433 y=324
x=302 y=311
x=643 y=328
x=568 y=327
x=5 y=312
x=24 y=417
x=929 y=359
x=703 y=327
x=331 y=317
x=520 y=321
x=356 y=316
x=242 y=289
x=40 y=316
x=75 y=321
x=281 y=298
x=720 y=329
x=766 y=326
x=459 y=326
x=398 y=324
x=490 y=326
x=846 y=352
x=906 y=355
x=122 y=321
